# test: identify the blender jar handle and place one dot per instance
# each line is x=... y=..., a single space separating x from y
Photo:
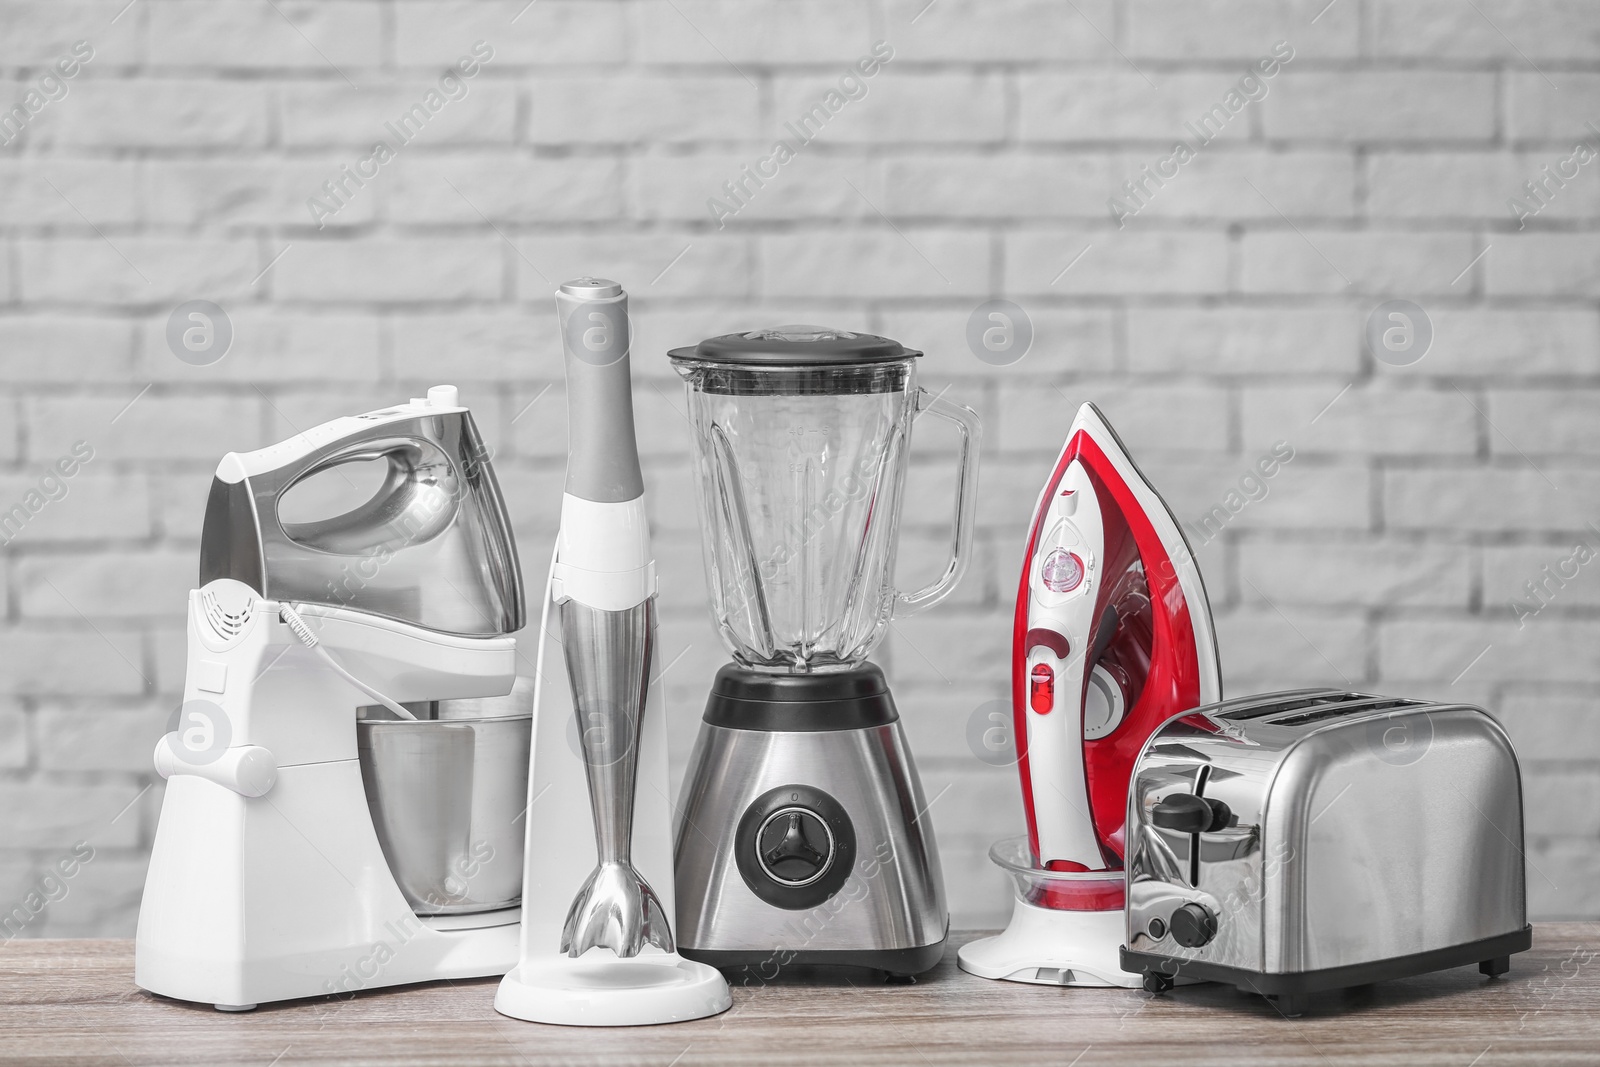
x=966 y=421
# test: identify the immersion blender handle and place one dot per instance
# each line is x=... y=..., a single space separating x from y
x=966 y=510
x=602 y=455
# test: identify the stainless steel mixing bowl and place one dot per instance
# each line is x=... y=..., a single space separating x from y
x=447 y=797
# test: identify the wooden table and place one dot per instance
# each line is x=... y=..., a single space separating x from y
x=74 y=1002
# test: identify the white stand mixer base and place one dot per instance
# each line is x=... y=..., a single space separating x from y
x=599 y=989
x=1044 y=946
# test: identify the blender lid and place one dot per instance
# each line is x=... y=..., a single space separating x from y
x=795 y=345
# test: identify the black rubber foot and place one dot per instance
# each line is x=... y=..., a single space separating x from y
x=1156 y=982
x=1496 y=967
x=1290 y=1007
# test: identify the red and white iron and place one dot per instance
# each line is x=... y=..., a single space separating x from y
x=1113 y=636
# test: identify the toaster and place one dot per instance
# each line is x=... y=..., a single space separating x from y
x=1317 y=839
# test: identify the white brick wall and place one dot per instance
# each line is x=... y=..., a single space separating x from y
x=1227 y=314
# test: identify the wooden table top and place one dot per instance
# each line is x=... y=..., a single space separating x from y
x=74 y=1002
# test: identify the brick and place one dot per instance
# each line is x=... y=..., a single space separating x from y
x=1470 y=185
x=1380 y=105
x=1561 y=578
x=1537 y=112
x=968 y=31
x=432 y=269
x=952 y=647
x=1308 y=648
x=73 y=738
x=1563 y=880
x=272 y=345
x=1378 y=574
x=1065 y=340
x=1543 y=264
x=1547 y=725
x=714 y=33
x=50 y=815
x=105 y=191
x=293 y=411
x=1513 y=30
x=936 y=717
x=1175 y=418
x=532 y=498
x=1513 y=342
x=1322 y=261
x=1218 y=185
x=248 y=193
x=106 y=584
x=1040 y=261
x=478 y=346
x=75 y=661
x=504 y=189
x=341 y=36
x=38 y=32
x=1116 y=104
x=13 y=741
x=629 y=108
x=1008 y=185
x=1367 y=419
x=1563 y=802
x=1548 y=421
x=98 y=504
x=1244 y=32
x=667 y=185
x=650 y=266
x=1306 y=493
x=64 y=348
x=1446 y=648
x=102 y=899
x=1254 y=341
x=166 y=113
x=1454 y=498
x=876 y=262
x=439 y=34
x=357 y=119
x=899 y=106
x=154 y=426
x=10 y=432
x=135 y=270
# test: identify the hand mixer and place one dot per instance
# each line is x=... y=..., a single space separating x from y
x=612 y=961
x=1112 y=637
x=307 y=846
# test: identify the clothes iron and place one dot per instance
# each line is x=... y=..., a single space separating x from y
x=1112 y=636
x=324 y=830
x=803 y=833
x=597 y=946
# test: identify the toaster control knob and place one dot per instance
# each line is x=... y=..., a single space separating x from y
x=1189 y=814
x=1193 y=925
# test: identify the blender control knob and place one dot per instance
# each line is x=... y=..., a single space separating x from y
x=1193 y=925
x=795 y=846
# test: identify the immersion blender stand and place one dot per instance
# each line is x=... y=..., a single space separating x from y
x=601 y=561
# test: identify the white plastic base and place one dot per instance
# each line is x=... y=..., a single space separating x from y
x=601 y=990
x=1043 y=946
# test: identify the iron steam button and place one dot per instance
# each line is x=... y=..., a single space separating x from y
x=1193 y=925
x=794 y=846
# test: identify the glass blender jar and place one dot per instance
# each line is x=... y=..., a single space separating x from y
x=801 y=775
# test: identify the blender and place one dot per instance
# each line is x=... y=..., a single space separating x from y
x=803 y=833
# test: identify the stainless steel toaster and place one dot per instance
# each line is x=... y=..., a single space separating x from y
x=1316 y=839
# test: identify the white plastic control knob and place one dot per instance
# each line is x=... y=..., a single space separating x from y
x=444 y=396
x=249 y=770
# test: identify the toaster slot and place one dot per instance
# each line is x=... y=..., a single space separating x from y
x=1313 y=699
x=1336 y=711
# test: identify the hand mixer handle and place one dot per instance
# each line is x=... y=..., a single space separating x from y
x=602 y=455
x=966 y=508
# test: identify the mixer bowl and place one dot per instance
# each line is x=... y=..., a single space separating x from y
x=447 y=797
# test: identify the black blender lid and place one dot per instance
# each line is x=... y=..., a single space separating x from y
x=795 y=346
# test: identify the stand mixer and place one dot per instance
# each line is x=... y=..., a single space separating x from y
x=314 y=839
x=803 y=833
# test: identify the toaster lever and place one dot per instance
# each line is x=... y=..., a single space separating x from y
x=1189 y=814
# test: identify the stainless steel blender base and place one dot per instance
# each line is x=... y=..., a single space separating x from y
x=809 y=846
